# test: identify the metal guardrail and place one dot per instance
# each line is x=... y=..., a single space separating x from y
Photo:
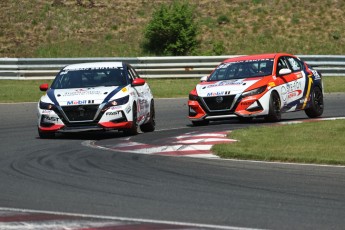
x=151 y=67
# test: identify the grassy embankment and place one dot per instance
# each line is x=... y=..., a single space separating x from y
x=43 y=29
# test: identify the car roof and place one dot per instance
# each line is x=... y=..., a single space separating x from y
x=256 y=56
x=94 y=65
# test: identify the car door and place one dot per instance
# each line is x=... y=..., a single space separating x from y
x=290 y=82
x=140 y=91
x=297 y=88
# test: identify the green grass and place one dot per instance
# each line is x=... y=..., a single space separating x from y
x=334 y=84
x=20 y=91
x=28 y=91
x=314 y=142
x=172 y=88
x=45 y=29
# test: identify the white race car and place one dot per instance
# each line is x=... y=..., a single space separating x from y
x=96 y=96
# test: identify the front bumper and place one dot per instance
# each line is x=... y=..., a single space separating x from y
x=58 y=120
x=238 y=107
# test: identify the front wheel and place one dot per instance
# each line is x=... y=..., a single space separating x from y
x=316 y=107
x=151 y=124
x=274 y=113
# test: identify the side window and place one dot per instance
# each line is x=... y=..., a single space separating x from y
x=295 y=64
x=134 y=73
x=281 y=64
x=130 y=74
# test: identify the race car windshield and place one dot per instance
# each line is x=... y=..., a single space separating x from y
x=86 y=78
x=242 y=69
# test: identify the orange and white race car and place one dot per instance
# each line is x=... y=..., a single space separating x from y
x=263 y=85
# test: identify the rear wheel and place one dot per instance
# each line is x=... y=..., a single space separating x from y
x=151 y=124
x=200 y=123
x=316 y=107
x=46 y=135
x=274 y=113
x=133 y=130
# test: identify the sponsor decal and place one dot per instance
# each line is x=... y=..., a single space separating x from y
x=316 y=74
x=117 y=107
x=225 y=65
x=124 y=90
x=225 y=83
x=294 y=94
x=271 y=84
x=219 y=93
x=291 y=90
x=115 y=114
x=79 y=92
x=80 y=102
x=100 y=68
x=46 y=111
x=112 y=113
x=128 y=109
x=50 y=119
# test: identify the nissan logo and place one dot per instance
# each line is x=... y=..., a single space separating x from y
x=219 y=100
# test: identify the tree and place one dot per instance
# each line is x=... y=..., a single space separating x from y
x=172 y=30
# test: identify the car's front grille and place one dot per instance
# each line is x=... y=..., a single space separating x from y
x=80 y=112
x=219 y=102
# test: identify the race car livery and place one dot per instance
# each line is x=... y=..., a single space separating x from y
x=96 y=96
x=257 y=86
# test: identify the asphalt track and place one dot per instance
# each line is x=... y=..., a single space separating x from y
x=64 y=175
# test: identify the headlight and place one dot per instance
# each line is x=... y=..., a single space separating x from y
x=47 y=106
x=254 y=91
x=119 y=101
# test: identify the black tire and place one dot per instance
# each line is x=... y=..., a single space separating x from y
x=274 y=113
x=133 y=130
x=316 y=107
x=200 y=123
x=46 y=135
x=151 y=124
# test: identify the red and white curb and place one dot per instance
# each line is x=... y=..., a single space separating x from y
x=189 y=145
x=19 y=219
x=192 y=144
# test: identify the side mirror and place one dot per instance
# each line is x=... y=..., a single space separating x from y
x=284 y=71
x=138 y=82
x=204 y=78
x=44 y=87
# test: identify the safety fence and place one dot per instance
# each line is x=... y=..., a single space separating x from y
x=151 y=67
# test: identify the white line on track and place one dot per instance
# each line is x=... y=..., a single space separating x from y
x=116 y=218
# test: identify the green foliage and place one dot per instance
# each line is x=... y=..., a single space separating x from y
x=223 y=19
x=218 y=48
x=172 y=30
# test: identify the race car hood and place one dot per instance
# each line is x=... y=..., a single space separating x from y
x=79 y=96
x=229 y=87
